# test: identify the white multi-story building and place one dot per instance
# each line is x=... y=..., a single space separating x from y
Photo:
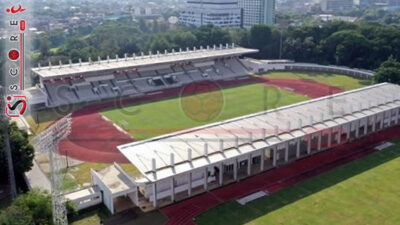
x=336 y=5
x=222 y=13
x=257 y=12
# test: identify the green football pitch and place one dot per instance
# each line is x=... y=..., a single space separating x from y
x=155 y=118
x=366 y=191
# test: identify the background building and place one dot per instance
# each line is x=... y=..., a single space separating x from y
x=336 y=5
x=257 y=11
x=222 y=13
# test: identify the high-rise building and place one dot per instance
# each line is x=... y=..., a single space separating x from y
x=394 y=4
x=222 y=13
x=257 y=12
x=336 y=5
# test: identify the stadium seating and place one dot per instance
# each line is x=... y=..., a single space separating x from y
x=133 y=82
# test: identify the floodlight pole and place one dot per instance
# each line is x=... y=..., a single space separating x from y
x=11 y=174
x=5 y=121
x=47 y=142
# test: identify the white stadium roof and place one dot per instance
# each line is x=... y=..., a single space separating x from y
x=153 y=157
x=138 y=61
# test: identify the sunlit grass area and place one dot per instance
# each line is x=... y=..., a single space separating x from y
x=151 y=119
x=342 y=81
x=365 y=191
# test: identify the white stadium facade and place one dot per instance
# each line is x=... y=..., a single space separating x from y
x=177 y=166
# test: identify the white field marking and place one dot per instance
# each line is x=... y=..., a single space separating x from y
x=251 y=197
x=154 y=93
x=383 y=146
x=115 y=125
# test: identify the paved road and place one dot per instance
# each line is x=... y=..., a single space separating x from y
x=37 y=179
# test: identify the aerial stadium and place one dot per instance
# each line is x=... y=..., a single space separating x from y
x=215 y=149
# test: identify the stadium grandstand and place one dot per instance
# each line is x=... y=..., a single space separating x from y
x=177 y=166
x=263 y=66
x=135 y=75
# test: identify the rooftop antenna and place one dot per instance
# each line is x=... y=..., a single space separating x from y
x=206 y=149
x=189 y=154
x=276 y=130
x=250 y=138
x=154 y=165
x=172 y=160
x=237 y=142
x=264 y=133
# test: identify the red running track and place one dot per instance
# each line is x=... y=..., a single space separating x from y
x=303 y=87
x=182 y=213
x=94 y=139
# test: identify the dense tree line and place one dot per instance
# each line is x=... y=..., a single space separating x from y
x=338 y=43
x=32 y=208
x=21 y=150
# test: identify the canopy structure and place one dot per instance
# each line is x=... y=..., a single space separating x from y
x=169 y=155
x=135 y=61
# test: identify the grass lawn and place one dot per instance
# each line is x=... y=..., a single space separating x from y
x=366 y=191
x=342 y=81
x=160 y=117
x=81 y=172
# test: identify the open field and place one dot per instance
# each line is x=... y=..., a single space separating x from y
x=365 y=191
x=342 y=81
x=161 y=117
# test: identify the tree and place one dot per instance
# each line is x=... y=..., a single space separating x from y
x=32 y=208
x=184 y=39
x=143 y=26
x=22 y=152
x=159 y=43
x=260 y=36
x=389 y=71
x=210 y=35
x=44 y=46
